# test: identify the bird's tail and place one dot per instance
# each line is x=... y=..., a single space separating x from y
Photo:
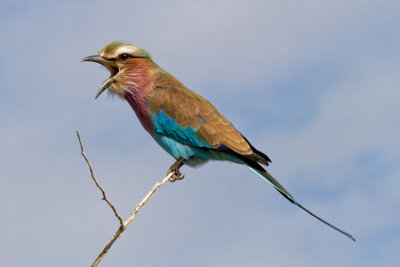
x=257 y=168
x=264 y=174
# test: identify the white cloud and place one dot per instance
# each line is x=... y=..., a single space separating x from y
x=356 y=115
x=221 y=210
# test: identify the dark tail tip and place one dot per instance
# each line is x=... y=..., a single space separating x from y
x=325 y=222
x=287 y=197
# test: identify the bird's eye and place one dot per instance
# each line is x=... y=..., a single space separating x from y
x=124 y=56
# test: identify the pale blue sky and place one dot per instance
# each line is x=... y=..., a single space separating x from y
x=313 y=84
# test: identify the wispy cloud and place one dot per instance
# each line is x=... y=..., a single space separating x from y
x=313 y=84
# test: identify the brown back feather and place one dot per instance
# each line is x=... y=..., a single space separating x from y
x=190 y=109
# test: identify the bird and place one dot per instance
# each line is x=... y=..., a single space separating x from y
x=182 y=122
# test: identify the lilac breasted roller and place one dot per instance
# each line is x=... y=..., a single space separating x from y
x=181 y=121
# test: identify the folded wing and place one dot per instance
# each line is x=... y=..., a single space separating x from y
x=193 y=120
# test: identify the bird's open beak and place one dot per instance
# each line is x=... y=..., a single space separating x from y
x=97 y=59
x=110 y=65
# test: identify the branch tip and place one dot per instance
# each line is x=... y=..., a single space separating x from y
x=123 y=224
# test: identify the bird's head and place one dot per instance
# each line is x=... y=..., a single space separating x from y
x=117 y=57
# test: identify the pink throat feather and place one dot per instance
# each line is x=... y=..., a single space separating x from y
x=138 y=83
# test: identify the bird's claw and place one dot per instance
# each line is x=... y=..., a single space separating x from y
x=174 y=169
x=175 y=176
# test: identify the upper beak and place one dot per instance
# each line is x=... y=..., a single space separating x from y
x=96 y=58
x=110 y=66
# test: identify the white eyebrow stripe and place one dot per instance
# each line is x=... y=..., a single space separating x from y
x=126 y=50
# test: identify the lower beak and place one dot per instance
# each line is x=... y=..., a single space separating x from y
x=107 y=63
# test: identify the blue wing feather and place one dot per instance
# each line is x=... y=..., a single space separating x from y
x=187 y=142
x=165 y=125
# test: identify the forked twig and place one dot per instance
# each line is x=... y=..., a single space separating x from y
x=97 y=183
x=123 y=224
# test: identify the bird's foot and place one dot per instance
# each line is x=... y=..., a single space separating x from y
x=177 y=175
x=175 y=170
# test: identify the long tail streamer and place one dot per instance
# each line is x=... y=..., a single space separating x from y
x=325 y=222
x=264 y=174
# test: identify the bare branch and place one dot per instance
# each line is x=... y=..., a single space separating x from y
x=146 y=198
x=128 y=221
x=97 y=183
x=123 y=224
